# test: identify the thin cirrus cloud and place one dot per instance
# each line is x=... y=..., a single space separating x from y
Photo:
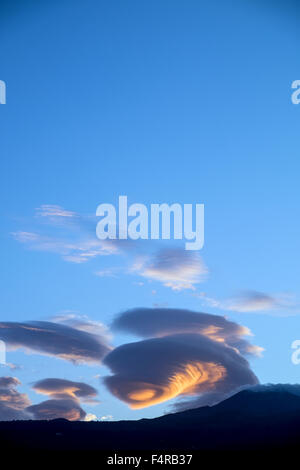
x=72 y=236
x=66 y=233
x=175 y=268
x=55 y=212
x=253 y=302
x=71 y=343
x=73 y=250
x=191 y=355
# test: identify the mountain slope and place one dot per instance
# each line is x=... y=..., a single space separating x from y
x=248 y=421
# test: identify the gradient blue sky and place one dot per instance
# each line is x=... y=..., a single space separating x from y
x=163 y=101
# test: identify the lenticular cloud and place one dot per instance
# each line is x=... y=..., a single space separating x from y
x=71 y=343
x=194 y=357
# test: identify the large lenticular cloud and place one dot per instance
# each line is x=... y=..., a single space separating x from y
x=192 y=355
x=158 y=322
x=55 y=339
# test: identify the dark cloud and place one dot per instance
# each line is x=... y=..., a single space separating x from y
x=53 y=409
x=156 y=322
x=63 y=389
x=55 y=339
x=13 y=404
x=194 y=355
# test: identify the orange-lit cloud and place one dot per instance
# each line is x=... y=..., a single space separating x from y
x=186 y=381
x=192 y=355
x=66 y=389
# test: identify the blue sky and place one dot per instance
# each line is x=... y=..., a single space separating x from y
x=163 y=101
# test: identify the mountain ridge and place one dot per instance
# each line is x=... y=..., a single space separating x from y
x=249 y=421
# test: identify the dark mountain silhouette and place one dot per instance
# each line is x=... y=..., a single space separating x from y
x=248 y=423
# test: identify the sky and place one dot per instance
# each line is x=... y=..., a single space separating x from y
x=164 y=102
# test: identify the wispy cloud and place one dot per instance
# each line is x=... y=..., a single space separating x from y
x=66 y=233
x=253 y=302
x=175 y=268
x=54 y=212
x=109 y=272
x=106 y=418
x=72 y=236
x=75 y=251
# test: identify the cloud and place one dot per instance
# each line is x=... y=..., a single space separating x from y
x=156 y=370
x=90 y=417
x=109 y=272
x=13 y=404
x=75 y=251
x=54 y=409
x=66 y=233
x=65 y=398
x=83 y=323
x=106 y=418
x=72 y=236
x=69 y=234
x=252 y=301
x=54 y=212
x=192 y=355
x=176 y=268
x=66 y=389
x=157 y=322
x=66 y=342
